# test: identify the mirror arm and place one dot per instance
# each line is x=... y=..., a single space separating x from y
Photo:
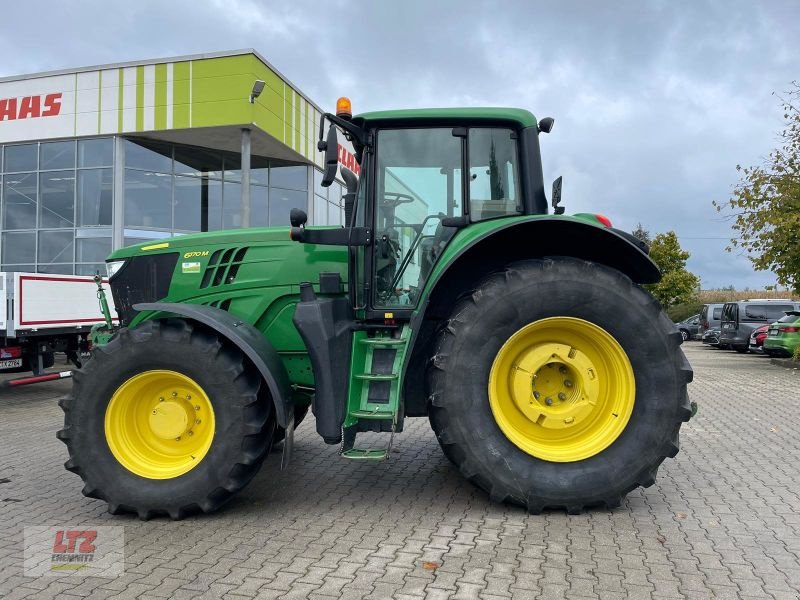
x=359 y=135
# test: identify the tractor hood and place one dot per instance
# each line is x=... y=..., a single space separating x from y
x=225 y=269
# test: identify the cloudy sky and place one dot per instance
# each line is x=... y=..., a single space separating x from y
x=655 y=102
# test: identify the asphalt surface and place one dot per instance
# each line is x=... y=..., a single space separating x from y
x=722 y=520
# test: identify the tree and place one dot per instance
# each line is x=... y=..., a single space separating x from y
x=765 y=204
x=641 y=234
x=677 y=285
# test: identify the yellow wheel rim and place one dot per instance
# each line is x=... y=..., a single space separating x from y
x=159 y=424
x=562 y=389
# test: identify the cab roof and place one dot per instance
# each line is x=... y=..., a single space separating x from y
x=516 y=116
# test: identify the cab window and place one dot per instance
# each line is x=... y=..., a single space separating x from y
x=493 y=174
x=418 y=183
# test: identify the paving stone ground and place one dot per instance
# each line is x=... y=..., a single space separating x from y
x=722 y=521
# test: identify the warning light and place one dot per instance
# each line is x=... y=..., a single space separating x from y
x=343 y=108
x=604 y=220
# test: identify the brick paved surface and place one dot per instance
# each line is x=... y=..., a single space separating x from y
x=722 y=521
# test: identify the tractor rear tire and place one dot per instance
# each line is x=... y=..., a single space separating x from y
x=166 y=419
x=579 y=311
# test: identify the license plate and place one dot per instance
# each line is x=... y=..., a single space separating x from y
x=774 y=333
x=11 y=364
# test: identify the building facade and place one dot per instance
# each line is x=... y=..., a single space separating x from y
x=98 y=158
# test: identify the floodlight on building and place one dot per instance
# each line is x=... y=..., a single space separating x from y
x=258 y=87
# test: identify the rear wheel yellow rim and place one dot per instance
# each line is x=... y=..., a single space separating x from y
x=562 y=389
x=159 y=424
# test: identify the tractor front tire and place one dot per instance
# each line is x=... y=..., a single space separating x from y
x=166 y=419
x=558 y=383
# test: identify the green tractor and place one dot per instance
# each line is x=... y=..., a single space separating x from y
x=550 y=377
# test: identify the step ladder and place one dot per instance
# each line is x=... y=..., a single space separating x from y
x=373 y=402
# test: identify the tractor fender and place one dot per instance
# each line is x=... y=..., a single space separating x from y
x=506 y=241
x=246 y=338
x=486 y=247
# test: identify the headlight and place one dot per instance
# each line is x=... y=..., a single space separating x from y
x=113 y=266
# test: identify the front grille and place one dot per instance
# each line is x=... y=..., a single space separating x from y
x=223 y=266
x=142 y=279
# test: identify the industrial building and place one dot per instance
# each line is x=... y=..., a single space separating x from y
x=101 y=157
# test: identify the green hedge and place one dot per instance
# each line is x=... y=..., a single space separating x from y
x=679 y=312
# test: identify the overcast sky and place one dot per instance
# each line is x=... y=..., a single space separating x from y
x=655 y=102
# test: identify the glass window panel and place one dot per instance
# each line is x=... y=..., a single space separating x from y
x=57 y=155
x=318 y=189
x=493 y=174
x=21 y=157
x=95 y=194
x=56 y=247
x=58 y=269
x=132 y=241
x=18 y=268
x=189 y=202
x=320 y=216
x=90 y=269
x=19 y=201
x=150 y=156
x=259 y=170
x=283 y=201
x=197 y=161
x=334 y=214
x=335 y=193
x=415 y=171
x=288 y=177
x=96 y=153
x=233 y=167
x=92 y=249
x=57 y=199
x=214 y=205
x=259 y=209
x=93 y=232
x=148 y=199
x=19 y=247
x=231 y=205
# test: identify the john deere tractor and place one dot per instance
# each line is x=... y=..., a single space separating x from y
x=551 y=379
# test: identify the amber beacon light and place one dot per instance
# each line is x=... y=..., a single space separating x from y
x=343 y=108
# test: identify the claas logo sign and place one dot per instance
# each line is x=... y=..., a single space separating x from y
x=348 y=160
x=30 y=107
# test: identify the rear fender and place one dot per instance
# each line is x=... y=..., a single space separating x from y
x=484 y=248
x=246 y=338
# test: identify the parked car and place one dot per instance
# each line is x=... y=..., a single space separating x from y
x=739 y=319
x=710 y=316
x=784 y=335
x=757 y=339
x=711 y=337
x=689 y=327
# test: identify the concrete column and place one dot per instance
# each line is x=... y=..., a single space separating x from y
x=245 y=177
x=118 y=206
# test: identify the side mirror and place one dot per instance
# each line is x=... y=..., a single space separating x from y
x=546 y=125
x=297 y=217
x=331 y=149
x=556 y=197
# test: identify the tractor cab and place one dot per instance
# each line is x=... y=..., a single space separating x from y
x=425 y=174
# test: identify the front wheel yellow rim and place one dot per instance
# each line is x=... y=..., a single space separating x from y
x=562 y=389
x=159 y=424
